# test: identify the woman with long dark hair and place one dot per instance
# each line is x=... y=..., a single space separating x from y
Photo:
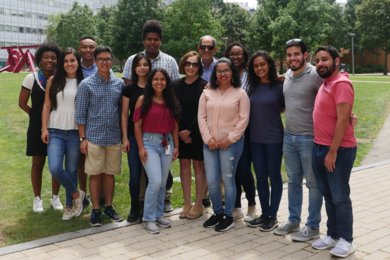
x=140 y=69
x=188 y=90
x=238 y=54
x=266 y=135
x=157 y=134
x=34 y=86
x=223 y=117
x=59 y=129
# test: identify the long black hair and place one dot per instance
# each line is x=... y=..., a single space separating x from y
x=253 y=80
x=236 y=82
x=137 y=58
x=59 y=79
x=168 y=95
x=244 y=50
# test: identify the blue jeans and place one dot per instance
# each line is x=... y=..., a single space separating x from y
x=334 y=186
x=297 y=151
x=135 y=167
x=244 y=176
x=157 y=168
x=267 y=161
x=64 y=143
x=223 y=162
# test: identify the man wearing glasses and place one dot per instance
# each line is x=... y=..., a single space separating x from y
x=98 y=111
x=207 y=47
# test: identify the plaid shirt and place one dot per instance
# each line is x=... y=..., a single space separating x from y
x=161 y=61
x=98 y=107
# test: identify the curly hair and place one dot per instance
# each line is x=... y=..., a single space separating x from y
x=245 y=51
x=253 y=80
x=46 y=47
x=152 y=26
x=137 y=58
x=168 y=95
x=236 y=82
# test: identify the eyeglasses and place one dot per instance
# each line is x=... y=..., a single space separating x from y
x=238 y=55
x=188 y=64
x=101 y=60
x=224 y=72
x=209 y=47
x=293 y=40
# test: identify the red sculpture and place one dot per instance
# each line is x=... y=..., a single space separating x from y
x=17 y=59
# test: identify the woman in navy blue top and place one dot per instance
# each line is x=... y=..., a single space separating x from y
x=266 y=135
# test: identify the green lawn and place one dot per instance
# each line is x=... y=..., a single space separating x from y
x=18 y=223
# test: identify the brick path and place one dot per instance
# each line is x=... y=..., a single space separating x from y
x=187 y=239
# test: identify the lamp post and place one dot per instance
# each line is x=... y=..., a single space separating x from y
x=353 y=55
x=225 y=38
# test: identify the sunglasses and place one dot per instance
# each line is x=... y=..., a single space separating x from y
x=293 y=40
x=209 y=47
x=188 y=64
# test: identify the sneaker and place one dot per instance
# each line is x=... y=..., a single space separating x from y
x=286 y=227
x=151 y=227
x=37 y=204
x=78 y=204
x=206 y=202
x=55 y=203
x=111 y=213
x=96 y=218
x=68 y=214
x=102 y=201
x=269 y=224
x=162 y=222
x=86 y=201
x=167 y=206
x=343 y=248
x=213 y=220
x=324 y=243
x=306 y=234
x=251 y=214
x=237 y=213
x=225 y=224
x=257 y=222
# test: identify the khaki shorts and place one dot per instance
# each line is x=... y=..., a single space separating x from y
x=103 y=159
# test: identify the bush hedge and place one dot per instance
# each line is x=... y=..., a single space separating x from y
x=367 y=68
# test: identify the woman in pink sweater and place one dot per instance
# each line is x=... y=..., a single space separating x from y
x=223 y=116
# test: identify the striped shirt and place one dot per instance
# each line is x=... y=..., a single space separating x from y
x=161 y=61
x=87 y=72
x=98 y=107
x=244 y=83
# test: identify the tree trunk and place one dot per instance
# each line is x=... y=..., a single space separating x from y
x=386 y=54
x=121 y=62
x=281 y=63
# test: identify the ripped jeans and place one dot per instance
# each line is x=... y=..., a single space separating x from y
x=223 y=162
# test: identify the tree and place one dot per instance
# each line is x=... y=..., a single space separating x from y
x=374 y=25
x=351 y=19
x=51 y=27
x=183 y=28
x=128 y=19
x=79 y=21
x=104 y=24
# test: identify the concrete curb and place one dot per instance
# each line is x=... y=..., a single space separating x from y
x=94 y=230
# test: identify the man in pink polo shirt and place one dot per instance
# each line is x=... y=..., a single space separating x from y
x=334 y=151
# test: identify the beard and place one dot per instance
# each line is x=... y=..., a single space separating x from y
x=328 y=71
x=299 y=65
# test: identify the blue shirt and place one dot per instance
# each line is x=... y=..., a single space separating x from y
x=207 y=72
x=98 y=107
x=161 y=61
x=265 y=122
x=87 y=72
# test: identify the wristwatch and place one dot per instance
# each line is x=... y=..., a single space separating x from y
x=82 y=139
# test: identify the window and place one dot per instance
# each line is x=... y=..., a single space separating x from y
x=40 y=16
x=15 y=29
x=21 y=13
x=34 y=15
x=57 y=4
x=7 y=11
x=21 y=29
x=14 y=12
x=1 y=44
x=1 y=27
x=1 y=10
x=45 y=17
x=40 y=31
x=46 y=2
x=40 y=2
x=15 y=44
x=7 y=28
x=28 y=15
x=7 y=44
x=28 y=30
x=63 y=5
x=51 y=3
x=34 y=30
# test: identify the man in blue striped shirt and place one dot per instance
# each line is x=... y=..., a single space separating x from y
x=98 y=112
x=87 y=47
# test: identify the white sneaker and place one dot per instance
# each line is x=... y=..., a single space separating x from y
x=237 y=213
x=324 y=243
x=55 y=203
x=37 y=204
x=68 y=214
x=251 y=215
x=343 y=248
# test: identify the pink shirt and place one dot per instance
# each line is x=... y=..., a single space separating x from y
x=222 y=116
x=334 y=90
x=158 y=119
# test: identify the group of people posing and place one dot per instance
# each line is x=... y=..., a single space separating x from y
x=223 y=115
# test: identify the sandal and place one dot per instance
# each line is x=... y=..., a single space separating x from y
x=195 y=212
x=185 y=210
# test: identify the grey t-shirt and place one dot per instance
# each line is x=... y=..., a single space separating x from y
x=299 y=95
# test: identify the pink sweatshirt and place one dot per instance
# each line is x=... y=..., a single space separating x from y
x=221 y=116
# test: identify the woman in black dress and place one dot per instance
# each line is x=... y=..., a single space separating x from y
x=188 y=91
x=34 y=85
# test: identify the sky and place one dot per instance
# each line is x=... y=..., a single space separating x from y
x=253 y=3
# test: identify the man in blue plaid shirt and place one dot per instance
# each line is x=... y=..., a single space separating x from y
x=98 y=111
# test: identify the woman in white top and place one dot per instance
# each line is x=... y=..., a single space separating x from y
x=59 y=129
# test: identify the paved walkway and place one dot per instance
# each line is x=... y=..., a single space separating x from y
x=187 y=239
